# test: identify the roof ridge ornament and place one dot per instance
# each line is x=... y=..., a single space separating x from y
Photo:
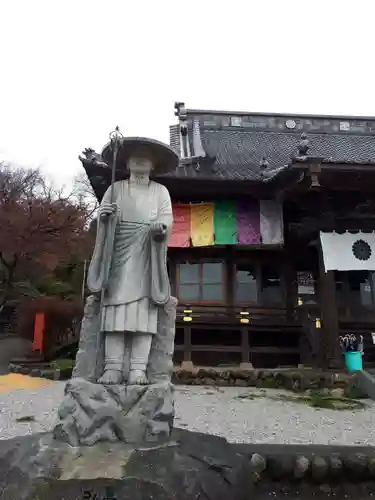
x=181 y=113
x=180 y=109
x=90 y=157
x=303 y=146
x=264 y=164
x=197 y=140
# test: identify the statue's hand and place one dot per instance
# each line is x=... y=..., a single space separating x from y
x=158 y=230
x=107 y=209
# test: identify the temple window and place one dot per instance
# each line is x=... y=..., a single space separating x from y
x=212 y=281
x=200 y=282
x=271 y=286
x=245 y=286
x=258 y=284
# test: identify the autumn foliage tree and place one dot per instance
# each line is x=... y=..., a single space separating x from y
x=39 y=228
x=84 y=192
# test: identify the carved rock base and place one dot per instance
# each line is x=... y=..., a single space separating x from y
x=93 y=412
x=189 y=466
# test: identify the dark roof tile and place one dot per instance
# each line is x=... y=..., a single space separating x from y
x=239 y=147
x=237 y=153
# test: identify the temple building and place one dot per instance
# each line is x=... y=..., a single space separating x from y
x=272 y=255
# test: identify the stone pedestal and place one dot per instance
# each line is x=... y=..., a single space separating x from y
x=189 y=466
x=91 y=413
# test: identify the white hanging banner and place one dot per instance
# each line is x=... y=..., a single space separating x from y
x=348 y=252
x=271 y=222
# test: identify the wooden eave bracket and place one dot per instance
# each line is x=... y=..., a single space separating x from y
x=290 y=187
x=312 y=166
x=314 y=171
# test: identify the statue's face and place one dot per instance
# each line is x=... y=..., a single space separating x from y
x=140 y=166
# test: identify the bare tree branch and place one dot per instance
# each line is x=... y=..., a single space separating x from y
x=85 y=195
x=38 y=223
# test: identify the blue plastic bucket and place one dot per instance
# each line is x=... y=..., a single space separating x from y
x=353 y=361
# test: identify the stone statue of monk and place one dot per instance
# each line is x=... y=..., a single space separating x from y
x=137 y=225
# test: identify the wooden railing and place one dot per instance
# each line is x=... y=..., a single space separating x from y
x=259 y=317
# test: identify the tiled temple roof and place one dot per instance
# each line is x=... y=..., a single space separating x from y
x=254 y=147
x=231 y=145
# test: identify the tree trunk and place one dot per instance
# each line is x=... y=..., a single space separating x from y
x=9 y=272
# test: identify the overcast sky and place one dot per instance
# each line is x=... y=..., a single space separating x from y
x=73 y=70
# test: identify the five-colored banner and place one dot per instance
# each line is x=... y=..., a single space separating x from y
x=244 y=222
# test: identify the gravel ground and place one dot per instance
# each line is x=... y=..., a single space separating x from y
x=216 y=411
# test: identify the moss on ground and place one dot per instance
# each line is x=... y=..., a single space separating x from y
x=270 y=382
x=354 y=392
x=64 y=364
x=315 y=399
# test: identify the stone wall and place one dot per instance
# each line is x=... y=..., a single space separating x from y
x=294 y=380
x=291 y=379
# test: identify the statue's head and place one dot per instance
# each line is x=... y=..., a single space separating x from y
x=141 y=156
x=140 y=164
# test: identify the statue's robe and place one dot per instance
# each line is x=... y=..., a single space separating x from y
x=138 y=283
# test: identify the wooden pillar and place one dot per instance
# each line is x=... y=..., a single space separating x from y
x=245 y=347
x=290 y=287
x=39 y=325
x=230 y=261
x=187 y=343
x=329 y=347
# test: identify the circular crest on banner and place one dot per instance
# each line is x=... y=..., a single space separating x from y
x=361 y=250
